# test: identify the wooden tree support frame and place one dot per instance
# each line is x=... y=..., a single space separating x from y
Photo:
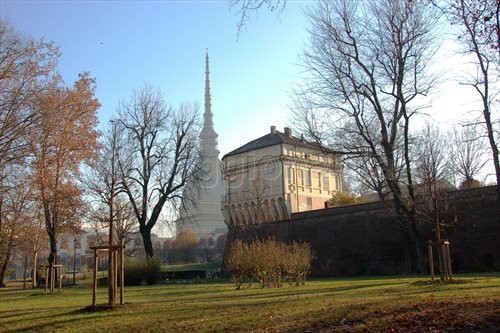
x=51 y=284
x=115 y=249
x=445 y=269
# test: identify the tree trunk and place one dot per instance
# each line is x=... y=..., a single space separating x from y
x=34 y=277
x=415 y=238
x=25 y=270
x=146 y=238
x=410 y=237
x=496 y=159
x=412 y=214
x=52 y=259
x=5 y=263
x=491 y=133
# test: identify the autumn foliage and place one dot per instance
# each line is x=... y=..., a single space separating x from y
x=269 y=262
x=339 y=199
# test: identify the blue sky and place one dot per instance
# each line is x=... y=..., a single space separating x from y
x=126 y=44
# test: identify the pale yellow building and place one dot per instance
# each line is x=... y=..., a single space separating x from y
x=275 y=175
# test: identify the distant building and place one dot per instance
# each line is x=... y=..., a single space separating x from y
x=276 y=175
x=201 y=211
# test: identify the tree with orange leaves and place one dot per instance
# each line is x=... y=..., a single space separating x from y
x=65 y=138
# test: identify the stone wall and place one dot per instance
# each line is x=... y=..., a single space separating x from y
x=365 y=239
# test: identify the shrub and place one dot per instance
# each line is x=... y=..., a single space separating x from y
x=40 y=276
x=134 y=271
x=139 y=269
x=238 y=262
x=270 y=262
x=102 y=281
x=299 y=257
x=152 y=270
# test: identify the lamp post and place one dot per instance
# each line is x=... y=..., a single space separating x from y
x=74 y=262
x=111 y=270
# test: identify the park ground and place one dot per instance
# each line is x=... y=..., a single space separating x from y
x=364 y=304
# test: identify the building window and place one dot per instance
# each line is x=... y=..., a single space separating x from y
x=338 y=183
x=301 y=177
x=291 y=178
x=309 y=203
x=326 y=181
x=308 y=178
x=317 y=179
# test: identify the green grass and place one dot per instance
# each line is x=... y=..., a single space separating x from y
x=209 y=266
x=375 y=304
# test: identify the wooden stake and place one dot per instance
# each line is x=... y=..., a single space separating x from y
x=122 y=266
x=46 y=277
x=95 y=279
x=57 y=268
x=448 y=259
x=52 y=279
x=431 y=260
x=443 y=267
x=115 y=274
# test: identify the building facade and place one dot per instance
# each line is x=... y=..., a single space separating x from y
x=201 y=210
x=275 y=175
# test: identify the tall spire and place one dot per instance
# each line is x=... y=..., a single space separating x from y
x=208 y=137
x=208 y=105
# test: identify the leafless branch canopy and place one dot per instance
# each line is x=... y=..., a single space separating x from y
x=159 y=154
x=246 y=8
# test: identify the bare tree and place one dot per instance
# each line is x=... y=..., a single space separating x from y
x=366 y=65
x=468 y=154
x=480 y=36
x=159 y=155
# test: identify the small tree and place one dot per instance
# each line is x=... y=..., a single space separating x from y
x=433 y=171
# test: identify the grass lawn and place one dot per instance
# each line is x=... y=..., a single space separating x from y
x=209 y=267
x=375 y=304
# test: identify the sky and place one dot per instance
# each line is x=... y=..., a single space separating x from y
x=127 y=44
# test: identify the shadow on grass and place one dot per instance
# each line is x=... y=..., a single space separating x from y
x=440 y=282
x=57 y=323
x=96 y=308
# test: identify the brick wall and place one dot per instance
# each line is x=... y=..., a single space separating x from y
x=365 y=239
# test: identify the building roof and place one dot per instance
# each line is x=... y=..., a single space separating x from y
x=274 y=138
